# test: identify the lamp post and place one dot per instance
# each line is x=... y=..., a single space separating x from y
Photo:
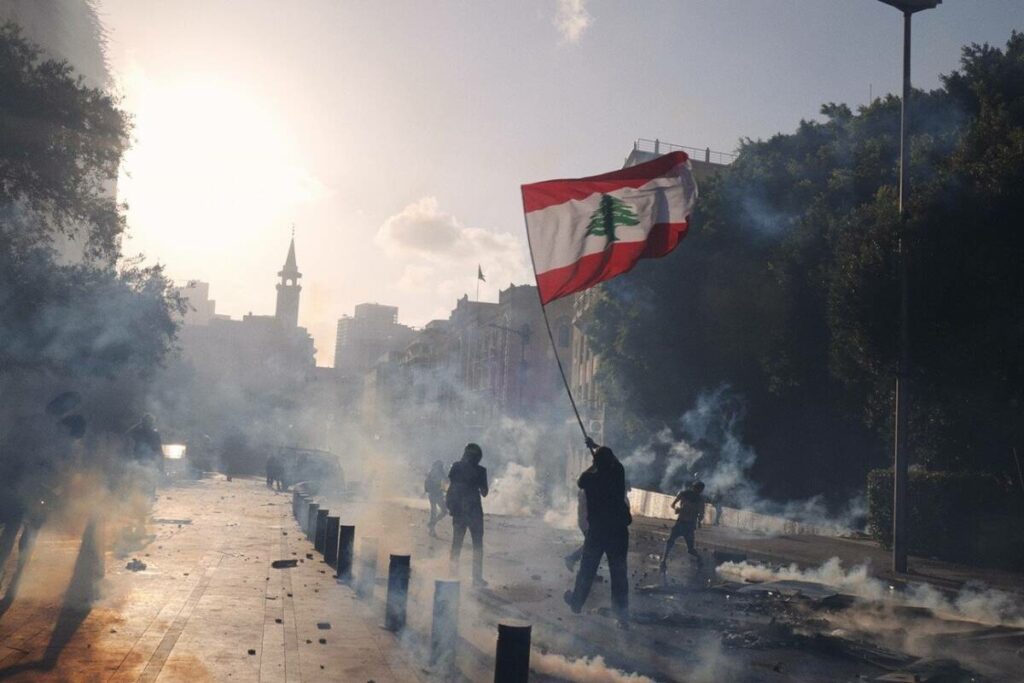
x=900 y=456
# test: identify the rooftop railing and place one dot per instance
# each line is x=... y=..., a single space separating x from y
x=660 y=147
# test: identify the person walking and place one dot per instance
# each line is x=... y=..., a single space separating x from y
x=433 y=485
x=689 y=505
x=467 y=484
x=608 y=520
x=581 y=521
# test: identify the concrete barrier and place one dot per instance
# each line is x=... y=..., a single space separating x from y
x=645 y=503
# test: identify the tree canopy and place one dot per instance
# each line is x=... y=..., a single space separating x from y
x=786 y=289
x=70 y=305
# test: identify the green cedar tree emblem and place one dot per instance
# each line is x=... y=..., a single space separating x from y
x=611 y=213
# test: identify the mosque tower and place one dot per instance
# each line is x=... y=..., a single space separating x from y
x=288 y=290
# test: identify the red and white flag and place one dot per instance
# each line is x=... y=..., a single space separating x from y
x=588 y=230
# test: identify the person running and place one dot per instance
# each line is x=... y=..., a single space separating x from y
x=608 y=520
x=433 y=485
x=689 y=505
x=467 y=484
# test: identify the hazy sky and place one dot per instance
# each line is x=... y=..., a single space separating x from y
x=395 y=134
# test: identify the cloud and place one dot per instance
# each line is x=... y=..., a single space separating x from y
x=571 y=19
x=440 y=255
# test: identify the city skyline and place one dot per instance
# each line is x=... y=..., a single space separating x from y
x=396 y=137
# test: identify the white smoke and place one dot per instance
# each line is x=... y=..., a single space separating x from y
x=515 y=492
x=583 y=670
x=974 y=602
x=707 y=444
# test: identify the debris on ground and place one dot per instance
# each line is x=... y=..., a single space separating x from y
x=135 y=565
x=323 y=625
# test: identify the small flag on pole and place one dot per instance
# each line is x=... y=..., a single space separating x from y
x=480 y=274
x=587 y=230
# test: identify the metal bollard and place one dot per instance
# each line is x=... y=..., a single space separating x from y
x=444 y=632
x=367 y=579
x=310 y=525
x=320 y=532
x=300 y=516
x=512 y=657
x=346 y=544
x=398 y=592
x=331 y=542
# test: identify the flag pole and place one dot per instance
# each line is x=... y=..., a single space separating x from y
x=547 y=325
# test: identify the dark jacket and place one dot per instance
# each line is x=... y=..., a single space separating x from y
x=605 y=487
x=466 y=484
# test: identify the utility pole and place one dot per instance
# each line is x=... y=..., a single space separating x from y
x=901 y=464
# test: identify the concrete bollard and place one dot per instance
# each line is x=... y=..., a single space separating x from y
x=512 y=657
x=444 y=631
x=320 y=532
x=398 y=592
x=300 y=515
x=331 y=542
x=346 y=545
x=367 y=578
x=295 y=504
x=310 y=525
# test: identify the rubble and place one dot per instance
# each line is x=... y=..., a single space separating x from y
x=135 y=565
x=284 y=564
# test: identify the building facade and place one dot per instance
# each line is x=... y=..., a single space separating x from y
x=363 y=338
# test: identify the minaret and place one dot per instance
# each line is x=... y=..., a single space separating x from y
x=288 y=290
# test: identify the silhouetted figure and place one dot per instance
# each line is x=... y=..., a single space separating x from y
x=433 y=486
x=275 y=473
x=147 y=447
x=467 y=482
x=608 y=520
x=689 y=505
x=39 y=448
x=718 y=502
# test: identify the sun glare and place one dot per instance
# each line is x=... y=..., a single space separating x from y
x=211 y=167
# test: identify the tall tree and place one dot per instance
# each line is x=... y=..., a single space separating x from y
x=786 y=289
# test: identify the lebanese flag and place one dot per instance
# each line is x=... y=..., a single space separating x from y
x=587 y=230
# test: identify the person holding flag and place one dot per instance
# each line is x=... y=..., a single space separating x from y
x=582 y=232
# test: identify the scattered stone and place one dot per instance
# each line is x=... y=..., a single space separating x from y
x=324 y=625
x=309 y=556
x=323 y=641
x=252 y=652
x=135 y=565
x=277 y=621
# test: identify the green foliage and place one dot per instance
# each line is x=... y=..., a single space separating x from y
x=952 y=515
x=786 y=289
x=66 y=307
x=611 y=213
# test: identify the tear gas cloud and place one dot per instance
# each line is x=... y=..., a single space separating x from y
x=974 y=602
x=706 y=443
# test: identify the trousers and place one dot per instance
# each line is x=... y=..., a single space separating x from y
x=613 y=544
x=475 y=525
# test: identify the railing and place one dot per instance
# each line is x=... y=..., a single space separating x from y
x=707 y=154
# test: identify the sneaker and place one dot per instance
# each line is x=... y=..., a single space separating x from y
x=567 y=596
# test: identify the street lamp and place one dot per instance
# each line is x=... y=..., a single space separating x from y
x=900 y=457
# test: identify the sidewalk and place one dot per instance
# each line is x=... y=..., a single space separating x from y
x=207 y=607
